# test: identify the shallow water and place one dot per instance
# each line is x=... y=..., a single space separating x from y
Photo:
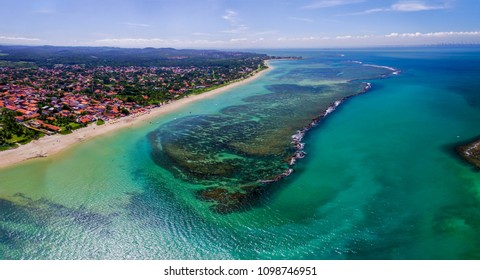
x=380 y=179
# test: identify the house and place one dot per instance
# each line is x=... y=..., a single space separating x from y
x=48 y=126
x=86 y=119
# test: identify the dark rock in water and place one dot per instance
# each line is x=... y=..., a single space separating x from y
x=226 y=201
x=219 y=195
x=471 y=152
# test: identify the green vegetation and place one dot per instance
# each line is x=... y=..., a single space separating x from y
x=19 y=64
x=100 y=122
x=49 y=56
x=11 y=132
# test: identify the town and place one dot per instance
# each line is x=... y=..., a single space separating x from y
x=60 y=98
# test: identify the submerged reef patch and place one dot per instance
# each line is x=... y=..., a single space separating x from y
x=236 y=152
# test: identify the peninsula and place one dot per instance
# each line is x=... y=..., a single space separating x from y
x=72 y=94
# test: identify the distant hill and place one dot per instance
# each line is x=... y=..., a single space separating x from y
x=47 y=56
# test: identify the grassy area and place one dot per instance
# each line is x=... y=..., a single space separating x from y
x=20 y=64
x=16 y=139
x=7 y=147
x=67 y=129
x=22 y=140
x=75 y=125
x=100 y=122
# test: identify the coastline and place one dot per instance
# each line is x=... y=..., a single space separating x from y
x=50 y=145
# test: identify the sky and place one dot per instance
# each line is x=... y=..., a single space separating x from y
x=238 y=24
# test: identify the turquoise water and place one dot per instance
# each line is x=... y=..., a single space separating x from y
x=234 y=155
x=380 y=179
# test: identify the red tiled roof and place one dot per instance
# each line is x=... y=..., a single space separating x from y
x=48 y=126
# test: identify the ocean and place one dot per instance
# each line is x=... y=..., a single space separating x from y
x=345 y=154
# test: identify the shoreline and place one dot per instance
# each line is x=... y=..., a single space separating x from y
x=51 y=145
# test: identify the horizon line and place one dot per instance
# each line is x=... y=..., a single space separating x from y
x=252 y=48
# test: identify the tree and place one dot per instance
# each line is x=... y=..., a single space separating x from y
x=10 y=125
x=124 y=111
x=3 y=139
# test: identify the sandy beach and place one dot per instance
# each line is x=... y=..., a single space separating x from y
x=50 y=145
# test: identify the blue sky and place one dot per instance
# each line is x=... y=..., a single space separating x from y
x=238 y=23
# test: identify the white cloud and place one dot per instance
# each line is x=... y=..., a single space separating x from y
x=346 y=40
x=369 y=40
x=259 y=40
x=237 y=30
x=371 y=11
x=433 y=34
x=236 y=40
x=133 y=41
x=237 y=27
x=409 y=38
x=397 y=35
x=299 y=39
x=408 y=6
x=156 y=42
x=302 y=19
x=415 y=6
x=230 y=16
x=19 y=39
x=202 y=34
x=344 y=37
x=267 y=32
x=414 y=35
x=330 y=3
x=133 y=24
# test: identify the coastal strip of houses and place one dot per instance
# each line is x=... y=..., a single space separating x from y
x=43 y=98
x=60 y=93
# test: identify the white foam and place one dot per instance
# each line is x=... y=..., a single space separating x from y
x=300 y=154
x=473 y=147
x=332 y=107
x=300 y=146
x=288 y=172
x=394 y=70
x=298 y=136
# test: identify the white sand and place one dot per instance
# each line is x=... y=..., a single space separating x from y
x=49 y=145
